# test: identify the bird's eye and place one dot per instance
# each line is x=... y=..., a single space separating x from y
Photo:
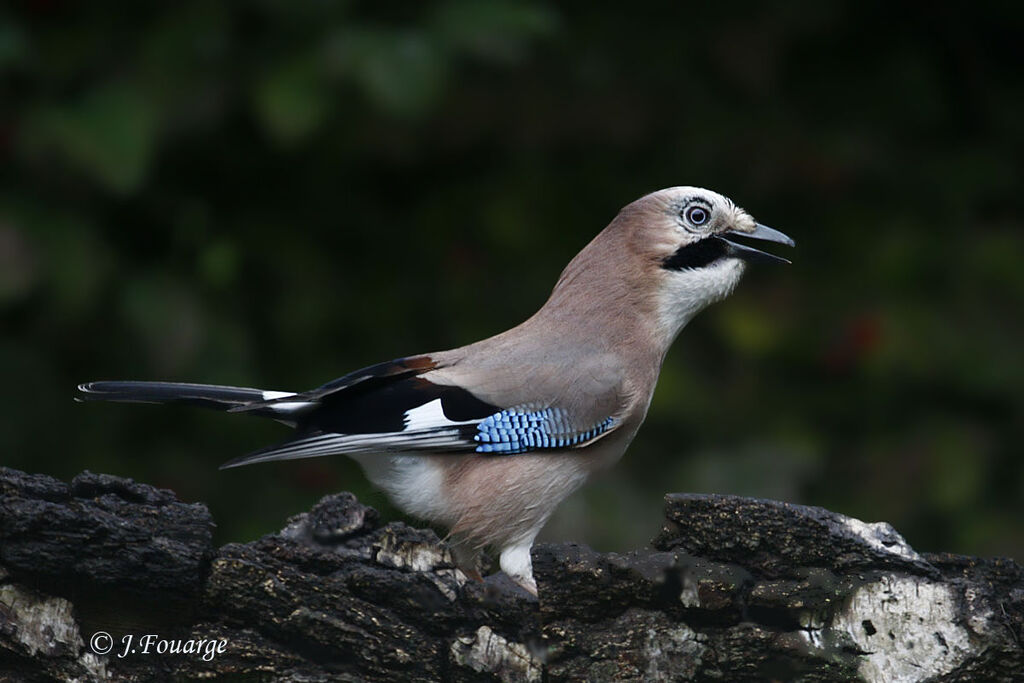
x=697 y=215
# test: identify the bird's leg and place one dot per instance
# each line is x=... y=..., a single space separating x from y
x=466 y=557
x=515 y=561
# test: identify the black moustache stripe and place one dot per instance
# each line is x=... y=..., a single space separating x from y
x=697 y=255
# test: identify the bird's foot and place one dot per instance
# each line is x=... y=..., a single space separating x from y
x=501 y=586
x=515 y=562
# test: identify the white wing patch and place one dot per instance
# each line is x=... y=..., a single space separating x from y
x=287 y=406
x=271 y=395
x=429 y=416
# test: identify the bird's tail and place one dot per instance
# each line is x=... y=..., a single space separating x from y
x=205 y=395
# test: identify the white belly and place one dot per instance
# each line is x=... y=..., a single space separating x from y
x=414 y=483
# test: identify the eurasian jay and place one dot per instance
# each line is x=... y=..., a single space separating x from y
x=487 y=439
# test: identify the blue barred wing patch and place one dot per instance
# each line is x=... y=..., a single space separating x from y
x=512 y=431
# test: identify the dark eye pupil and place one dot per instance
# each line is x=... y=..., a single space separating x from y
x=698 y=216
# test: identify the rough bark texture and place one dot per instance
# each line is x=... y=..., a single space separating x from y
x=734 y=589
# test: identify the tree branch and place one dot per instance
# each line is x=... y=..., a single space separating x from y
x=733 y=589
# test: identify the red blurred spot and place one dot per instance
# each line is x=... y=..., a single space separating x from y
x=316 y=476
x=461 y=259
x=860 y=337
x=820 y=171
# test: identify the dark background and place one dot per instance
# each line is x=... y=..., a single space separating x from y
x=278 y=193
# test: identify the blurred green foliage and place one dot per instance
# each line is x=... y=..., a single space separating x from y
x=274 y=193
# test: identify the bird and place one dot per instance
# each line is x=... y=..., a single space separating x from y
x=488 y=439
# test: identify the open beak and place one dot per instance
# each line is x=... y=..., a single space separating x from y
x=761 y=232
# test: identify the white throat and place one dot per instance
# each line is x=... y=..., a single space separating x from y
x=684 y=293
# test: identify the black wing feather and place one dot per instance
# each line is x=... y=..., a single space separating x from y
x=375 y=408
x=368 y=410
x=360 y=382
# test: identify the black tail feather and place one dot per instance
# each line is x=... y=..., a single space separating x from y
x=206 y=395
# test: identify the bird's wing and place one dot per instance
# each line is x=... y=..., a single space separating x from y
x=361 y=381
x=399 y=409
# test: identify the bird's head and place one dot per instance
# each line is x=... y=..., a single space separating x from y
x=667 y=255
x=690 y=228
x=691 y=243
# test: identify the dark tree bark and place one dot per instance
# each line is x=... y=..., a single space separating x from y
x=733 y=589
